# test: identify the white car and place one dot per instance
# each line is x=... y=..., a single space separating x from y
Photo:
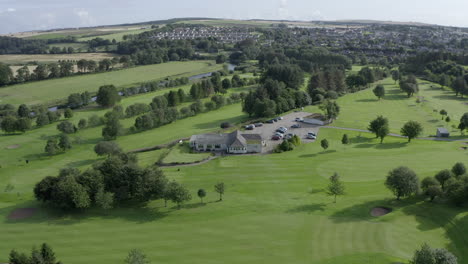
x=298 y=119
x=310 y=136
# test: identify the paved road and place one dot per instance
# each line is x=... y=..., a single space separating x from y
x=397 y=135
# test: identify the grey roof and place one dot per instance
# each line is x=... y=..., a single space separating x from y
x=442 y=130
x=235 y=139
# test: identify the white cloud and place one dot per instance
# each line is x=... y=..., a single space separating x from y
x=11 y=9
x=283 y=11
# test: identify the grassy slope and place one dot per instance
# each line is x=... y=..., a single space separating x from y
x=181 y=153
x=117 y=36
x=50 y=90
x=275 y=209
x=45 y=58
x=358 y=109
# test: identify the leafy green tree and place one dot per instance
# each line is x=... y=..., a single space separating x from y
x=201 y=194
x=107 y=96
x=331 y=109
x=458 y=169
x=8 y=124
x=443 y=113
x=379 y=127
x=136 y=256
x=68 y=113
x=402 y=181
x=336 y=186
x=67 y=127
x=324 y=144
x=111 y=129
x=448 y=119
x=379 y=91
x=463 y=122
x=24 y=111
x=180 y=194
x=51 y=147
x=219 y=188
x=428 y=255
x=82 y=123
x=442 y=177
x=42 y=120
x=433 y=191
x=18 y=258
x=428 y=182
x=64 y=142
x=345 y=139
x=23 y=124
x=107 y=148
x=104 y=199
x=6 y=75
x=395 y=75
x=47 y=254
x=411 y=129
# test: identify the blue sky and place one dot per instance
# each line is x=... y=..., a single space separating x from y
x=25 y=15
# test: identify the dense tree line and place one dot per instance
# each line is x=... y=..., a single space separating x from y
x=43 y=255
x=10 y=45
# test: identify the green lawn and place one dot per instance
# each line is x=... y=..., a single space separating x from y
x=182 y=154
x=358 y=109
x=57 y=89
x=275 y=209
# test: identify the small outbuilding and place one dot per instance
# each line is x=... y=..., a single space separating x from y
x=442 y=132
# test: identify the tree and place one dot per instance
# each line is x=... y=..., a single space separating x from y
x=219 y=188
x=428 y=255
x=64 y=142
x=68 y=113
x=433 y=191
x=6 y=75
x=324 y=144
x=428 y=182
x=379 y=127
x=135 y=256
x=24 y=111
x=107 y=96
x=112 y=129
x=463 y=122
x=395 y=75
x=66 y=127
x=201 y=193
x=335 y=187
x=402 y=181
x=331 y=109
x=443 y=113
x=179 y=194
x=8 y=124
x=104 y=199
x=411 y=129
x=458 y=169
x=42 y=120
x=82 y=123
x=447 y=119
x=442 y=177
x=18 y=258
x=107 y=148
x=345 y=139
x=23 y=124
x=51 y=147
x=47 y=254
x=379 y=91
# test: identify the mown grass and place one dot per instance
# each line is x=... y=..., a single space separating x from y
x=358 y=109
x=182 y=154
x=275 y=209
x=57 y=89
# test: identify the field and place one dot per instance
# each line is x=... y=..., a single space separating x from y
x=117 y=36
x=360 y=108
x=49 y=91
x=181 y=154
x=16 y=59
x=275 y=209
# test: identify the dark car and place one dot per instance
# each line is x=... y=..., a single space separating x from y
x=296 y=126
x=270 y=121
x=250 y=127
x=275 y=137
x=275 y=119
x=258 y=124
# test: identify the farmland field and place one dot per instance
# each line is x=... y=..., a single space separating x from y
x=117 y=36
x=42 y=58
x=49 y=91
x=275 y=209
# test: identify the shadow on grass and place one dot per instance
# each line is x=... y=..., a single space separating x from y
x=80 y=163
x=307 y=208
x=391 y=145
x=366 y=100
x=361 y=212
x=316 y=154
x=217 y=123
x=189 y=206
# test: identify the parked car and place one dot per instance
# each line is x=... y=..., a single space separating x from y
x=280 y=131
x=283 y=128
x=279 y=134
x=275 y=119
x=289 y=135
x=298 y=119
x=258 y=124
x=275 y=137
x=270 y=121
x=296 y=126
x=312 y=133
x=310 y=136
x=280 y=118
x=250 y=127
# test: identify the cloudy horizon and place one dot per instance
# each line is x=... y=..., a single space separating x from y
x=30 y=15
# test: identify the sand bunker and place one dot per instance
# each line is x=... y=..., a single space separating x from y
x=380 y=211
x=13 y=146
x=22 y=213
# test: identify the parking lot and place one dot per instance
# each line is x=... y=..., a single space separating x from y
x=268 y=130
